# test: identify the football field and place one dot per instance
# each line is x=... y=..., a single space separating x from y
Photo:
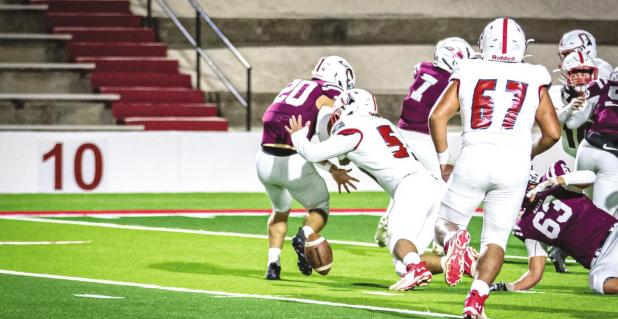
x=204 y=256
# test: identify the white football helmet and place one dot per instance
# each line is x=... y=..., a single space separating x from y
x=577 y=40
x=614 y=76
x=578 y=62
x=335 y=70
x=503 y=40
x=450 y=51
x=356 y=102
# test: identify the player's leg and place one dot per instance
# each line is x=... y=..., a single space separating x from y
x=411 y=207
x=267 y=168
x=603 y=276
x=605 y=166
x=423 y=149
x=465 y=193
x=310 y=190
x=500 y=213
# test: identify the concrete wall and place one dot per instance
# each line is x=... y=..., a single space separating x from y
x=114 y=162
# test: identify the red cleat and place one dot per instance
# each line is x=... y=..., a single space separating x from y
x=457 y=247
x=474 y=306
x=416 y=275
x=470 y=258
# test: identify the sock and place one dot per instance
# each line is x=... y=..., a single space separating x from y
x=480 y=286
x=400 y=268
x=308 y=231
x=274 y=255
x=411 y=258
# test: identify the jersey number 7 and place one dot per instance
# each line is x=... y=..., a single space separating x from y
x=483 y=105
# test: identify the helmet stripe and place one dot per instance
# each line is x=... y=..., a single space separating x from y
x=505 y=27
x=581 y=56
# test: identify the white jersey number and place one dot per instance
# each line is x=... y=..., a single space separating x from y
x=417 y=94
x=296 y=93
x=548 y=227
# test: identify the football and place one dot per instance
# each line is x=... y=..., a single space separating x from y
x=318 y=253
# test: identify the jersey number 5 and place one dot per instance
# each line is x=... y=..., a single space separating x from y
x=391 y=141
x=483 y=105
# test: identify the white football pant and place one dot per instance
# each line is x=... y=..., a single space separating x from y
x=605 y=165
x=495 y=174
x=421 y=145
x=287 y=177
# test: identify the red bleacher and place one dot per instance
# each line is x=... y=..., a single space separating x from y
x=130 y=62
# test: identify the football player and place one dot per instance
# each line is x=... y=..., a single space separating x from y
x=284 y=173
x=376 y=147
x=584 y=41
x=557 y=213
x=430 y=80
x=499 y=99
x=598 y=152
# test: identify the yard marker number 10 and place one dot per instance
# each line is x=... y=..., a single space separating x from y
x=55 y=154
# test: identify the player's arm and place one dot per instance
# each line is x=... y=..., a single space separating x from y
x=580 y=179
x=536 y=268
x=445 y=108
x=581 y=115
x=317 y=152
x=547 y=120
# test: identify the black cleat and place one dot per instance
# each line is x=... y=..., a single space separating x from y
x=557 y=257
x=298 y=242
x=273 y=272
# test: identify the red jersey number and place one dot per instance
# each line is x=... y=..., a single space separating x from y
x=391 y=141
x=483 y=105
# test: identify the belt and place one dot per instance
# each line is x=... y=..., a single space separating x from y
x=278 y=151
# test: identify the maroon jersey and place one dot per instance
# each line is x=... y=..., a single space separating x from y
x=567 y=220
x=605 y=114
x=429 y=83
x=300 y=97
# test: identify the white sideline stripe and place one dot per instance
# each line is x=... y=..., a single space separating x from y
x=96 y=296
x=191 y=214
x=43 y=242
x=169 y=230
x=191 y=231
x=229 y=294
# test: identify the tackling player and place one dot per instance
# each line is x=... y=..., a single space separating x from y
x=499 y=98
x=557 y=213
x=284 y=173
x=376 y=147
x=430 y=80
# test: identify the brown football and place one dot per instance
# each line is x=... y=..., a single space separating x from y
x=318 y=253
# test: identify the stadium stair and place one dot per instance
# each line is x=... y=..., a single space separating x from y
x=130 y=62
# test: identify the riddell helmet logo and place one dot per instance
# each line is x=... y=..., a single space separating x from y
x=503 y=58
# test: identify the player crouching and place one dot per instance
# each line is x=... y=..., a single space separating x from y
x=557 y=213
x=374 y=145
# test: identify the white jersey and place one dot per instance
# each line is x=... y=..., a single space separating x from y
x=574 y=124
x=605 y=69
x=372 y=143
x=498 y=100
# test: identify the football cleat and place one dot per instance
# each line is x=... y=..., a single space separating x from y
x=298 y=242
x=416 y=275
x=557 y=257
x=470 y=258
x=273 y=272
x=381 y=236
x=456 y=248
x=474 y=306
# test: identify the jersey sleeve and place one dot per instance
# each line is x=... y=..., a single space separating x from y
x=336 y=145
x=331 y=91
x=534 y=248
x=544 y=77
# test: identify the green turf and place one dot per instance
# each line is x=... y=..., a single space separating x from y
x=233 y=264
x=37 y=202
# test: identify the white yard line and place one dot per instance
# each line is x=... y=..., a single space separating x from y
x=198 y=232
x=380 y=293
x=96 y=296
x=25 y=243
x=229 y=294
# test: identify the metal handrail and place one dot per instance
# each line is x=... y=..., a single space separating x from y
x=246 y=102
